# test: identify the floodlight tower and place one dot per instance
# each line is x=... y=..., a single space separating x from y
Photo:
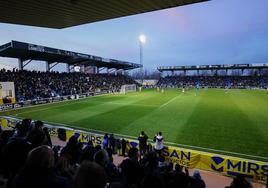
x=142 y=40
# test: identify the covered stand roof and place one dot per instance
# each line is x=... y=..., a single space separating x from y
x=26 y=51
x=67 y=13
x=213 y=67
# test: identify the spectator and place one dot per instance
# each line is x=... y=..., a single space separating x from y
x=16 y=149
x=110 y=168
x=143 y=143
x=72 y=150
x=88 y=153
x=118 y=146
x=196 y=180
x=105 y=141
x=158 y=146
x=240 y=182
x=43 y=167
x=39 y=171
x=90 y=174
x=101 y=157
x=242 y=82
x=37 y=135
x=54 y=84
x=131 y=170
x=47 y=140
x=112 y=142
x=124 y=146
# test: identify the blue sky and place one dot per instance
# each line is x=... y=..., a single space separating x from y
x=213 y=32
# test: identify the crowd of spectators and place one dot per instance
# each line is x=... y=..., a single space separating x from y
x=28 y=160
x=241 y=82
x=34 y=84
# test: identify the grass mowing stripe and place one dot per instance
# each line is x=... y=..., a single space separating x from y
x=51 y=105
x=205 y=114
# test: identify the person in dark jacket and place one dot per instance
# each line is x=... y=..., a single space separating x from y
x=197 y=181
x=39 y=171
x=124 y=146
x=143 y=143
x=112 y=142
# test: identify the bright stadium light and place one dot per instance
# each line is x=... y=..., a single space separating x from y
x=142 y=38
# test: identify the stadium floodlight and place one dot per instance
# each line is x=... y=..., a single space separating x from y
x=142 y=38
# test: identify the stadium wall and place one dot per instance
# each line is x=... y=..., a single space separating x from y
x=221 y=164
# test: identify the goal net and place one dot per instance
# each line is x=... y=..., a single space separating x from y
x=128 y=88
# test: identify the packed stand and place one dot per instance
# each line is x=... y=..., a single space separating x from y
x=33 y=84
x=29 y=160
x=240 y=82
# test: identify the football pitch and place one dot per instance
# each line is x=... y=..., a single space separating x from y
x=229 y=122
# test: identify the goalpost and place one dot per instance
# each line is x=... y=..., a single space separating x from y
x=128 y=88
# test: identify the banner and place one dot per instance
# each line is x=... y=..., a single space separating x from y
x=226 y=165
x=222 y=164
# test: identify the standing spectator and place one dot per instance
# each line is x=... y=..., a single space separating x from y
x=158 y=146
x=110 y=168
x=105 y=141
x=112 y=142
x=143 y=143
x=118 y=146
x=47 y=137
x=37 y=135
x=124 y=146
x=132 y=171
x=72 y=150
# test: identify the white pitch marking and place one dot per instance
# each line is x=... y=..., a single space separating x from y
x=171 y=100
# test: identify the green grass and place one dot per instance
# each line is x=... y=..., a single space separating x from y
x=236 y=121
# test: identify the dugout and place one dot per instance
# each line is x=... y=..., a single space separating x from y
x=7 y=92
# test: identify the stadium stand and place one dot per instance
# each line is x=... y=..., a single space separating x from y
x=239 y=82
x=34 y=84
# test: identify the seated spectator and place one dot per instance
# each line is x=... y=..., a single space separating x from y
x=90 y=175
x=39 y=171
x=45 y=85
